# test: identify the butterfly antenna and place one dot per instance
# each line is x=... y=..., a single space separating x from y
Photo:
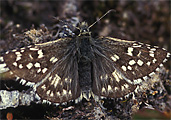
x=112 y=10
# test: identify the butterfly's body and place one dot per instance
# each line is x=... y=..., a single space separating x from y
x=82 y=66
x=85 y=56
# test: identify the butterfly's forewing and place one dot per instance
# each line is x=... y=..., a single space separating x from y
x=32 y=63
x=52 y=66
x=133 y=59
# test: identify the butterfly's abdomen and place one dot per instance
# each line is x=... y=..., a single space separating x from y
x=84 y=66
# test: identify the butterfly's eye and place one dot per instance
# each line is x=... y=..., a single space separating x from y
x=77 y=31
x=84 y=31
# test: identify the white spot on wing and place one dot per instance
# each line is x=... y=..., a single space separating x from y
x=48 y=92
x=129 y=68
x=114 y=59
x=55 y=80
x=151 y=54
x=136 y=45
x=140 y=62
x=116 y=56
x=168 y=55
x=51 y=94
x=70 y=92
x=43 y=87
x=148 y=63
x=161 y=65
x=116 y=88
x=15 y=64
x=132 y=62
x=145 y=78
x=11 y=73
x=50 y=78
x=51 y=59
x=40 y=52
x=17 y=53
x=58 y=94
x=130 y=49
x=39 y=70
x=157 y=69
x=165 y=60
x=147 y=44
x=126 y=86
x=7 y=52
x=22 y=51
x=122 y=88
x=30 y=56
x=123 y=68
x=138 y=81
x=109 y=88
x=154 y=60
x=44 y=70
x=18 y=58
x=153 y=49
x=54 y=60
x=151 y=74
x=116 y=76
x=64 y=92
x=37 y=64
x=163 y=48
x=139 y=54
x=20 y=66
x=103 y=90
x=22 y=48
x=29 y=65
x=33 y=49
x=22 y=81
x=13 y=50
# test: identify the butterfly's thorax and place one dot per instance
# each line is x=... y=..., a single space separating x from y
x=84 y=58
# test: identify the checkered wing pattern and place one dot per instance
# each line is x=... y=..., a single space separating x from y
x=77 y=66
x=49 y=66
x=120 y=65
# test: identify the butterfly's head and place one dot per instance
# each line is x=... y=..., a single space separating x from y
x=83 y=29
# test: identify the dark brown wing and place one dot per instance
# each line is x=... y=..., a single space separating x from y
x=119 y=65
x=52 y=66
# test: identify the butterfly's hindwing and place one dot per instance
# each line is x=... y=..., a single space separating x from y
x=107 y=81
x=62 y=83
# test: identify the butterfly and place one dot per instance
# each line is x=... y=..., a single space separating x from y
x=78 y=66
